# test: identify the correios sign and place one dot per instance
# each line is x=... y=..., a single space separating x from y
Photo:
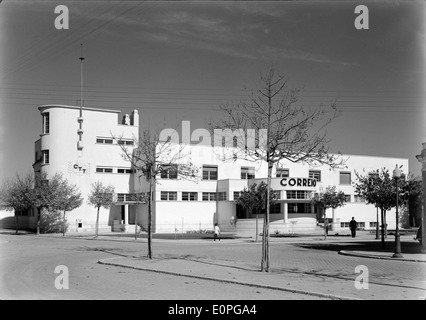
x=298 y=182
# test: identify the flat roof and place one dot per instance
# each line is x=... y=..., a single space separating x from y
x=46 y=106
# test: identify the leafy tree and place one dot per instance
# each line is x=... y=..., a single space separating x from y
x=100 y=196
x=294 y=133
x=329 y=198
x=153 y=156
x=378 y=188
x=16 y=195
x=46 y=194
x=254 y=198
x=69 y=198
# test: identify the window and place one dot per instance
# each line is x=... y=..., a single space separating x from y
x=344 y=224
x=46 y=122
x=104 y=140
x=275 y=208
x=103 y=170
x=222 y=196
x=282 y=173
x=209 y=196
x=345 y=178
x=168 y=195
x=45 y=156
x=373 y=224
x=124 y=170
x=298 y=194
x=189 y=196
x=315 y=174
x=359 y=199
x=169 y=171
x=236 y=195
x=347 y=197
x=209 y=173
x=125 y=142
x=247 y=173
x=299 y=208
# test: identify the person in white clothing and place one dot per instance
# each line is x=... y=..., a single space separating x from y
x=216 y=232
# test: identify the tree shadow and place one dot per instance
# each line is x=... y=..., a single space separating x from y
x=406 y=246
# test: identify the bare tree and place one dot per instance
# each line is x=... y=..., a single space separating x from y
x=100 y=196
x=285 y=130
x=154 y=155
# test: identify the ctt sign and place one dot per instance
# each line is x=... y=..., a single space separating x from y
x=298 y=182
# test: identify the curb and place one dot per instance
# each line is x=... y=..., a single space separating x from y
x=311 y=293
x=365 y=255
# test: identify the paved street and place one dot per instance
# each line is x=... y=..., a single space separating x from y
x=305 y=266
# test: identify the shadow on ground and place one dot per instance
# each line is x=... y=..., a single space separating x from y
x=406 y=247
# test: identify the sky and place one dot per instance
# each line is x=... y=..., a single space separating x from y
x=180 y=60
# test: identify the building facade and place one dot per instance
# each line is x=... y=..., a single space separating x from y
x=83 y=145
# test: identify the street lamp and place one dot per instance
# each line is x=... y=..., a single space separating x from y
x=397 y=175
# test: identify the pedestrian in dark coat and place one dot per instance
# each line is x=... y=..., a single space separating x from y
x=352 y=226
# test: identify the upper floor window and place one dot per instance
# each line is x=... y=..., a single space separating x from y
x=103 y=169
x=46 y=122
x=209 y=173
x=282 y=173
x=168 y=195
x=345 y=178
x=45 y=156
x=104 y=140
x=169 y=171
x=209 y=196
x=189 y=196
x=315 y=174
x=247 y=173
x=125 y=142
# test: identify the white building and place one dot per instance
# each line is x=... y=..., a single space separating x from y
x=181 y=205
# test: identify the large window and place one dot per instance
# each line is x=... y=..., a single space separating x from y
x=247 y=173
x=45 y=156
x=299 y=208
x=209 y=196
x=168 y=195
x=46 y=123
x=169 y=171
x=282 y=173
x=315 y=174
x=209 y=173
x=345 y=178
x=189 y=196
x=298 y=194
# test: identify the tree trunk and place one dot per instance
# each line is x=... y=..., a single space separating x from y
x=136 y=225
x=325 y=224
x=16 y=222
x=97 y=223
x=257 y=226
x=383 y=227
x=63 y=224
x=150 y=220
x=38 y=220
x=265 y=243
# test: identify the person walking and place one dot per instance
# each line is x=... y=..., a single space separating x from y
x=352 y=226
x=216 y=232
